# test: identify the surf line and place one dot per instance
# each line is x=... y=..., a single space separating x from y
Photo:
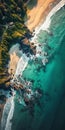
x=46 y=24
x=7 y=114
x=10 y=115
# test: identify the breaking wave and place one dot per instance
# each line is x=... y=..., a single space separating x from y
x=7 y=114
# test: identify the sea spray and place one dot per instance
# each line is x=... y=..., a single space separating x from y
x=7 y=114
x=46 y=24
x=10 y=115
x=21 y=64
x=16 y=48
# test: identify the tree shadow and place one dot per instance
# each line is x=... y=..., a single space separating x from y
x=32 y=4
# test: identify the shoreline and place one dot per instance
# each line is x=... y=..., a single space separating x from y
x=39 y=28
x=8 y=111
x=42 y=26
x=39 y=12
x=46 y=24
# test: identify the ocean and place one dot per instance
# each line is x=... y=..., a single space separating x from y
x=50 y=113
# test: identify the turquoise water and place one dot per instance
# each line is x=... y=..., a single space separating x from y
x=51 y=114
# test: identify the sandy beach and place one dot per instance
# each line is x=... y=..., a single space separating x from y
x=46 y=24
x=38 y=14
x=13 y=63
x=41 y=11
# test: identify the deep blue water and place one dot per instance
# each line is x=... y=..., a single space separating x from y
x=51 y=114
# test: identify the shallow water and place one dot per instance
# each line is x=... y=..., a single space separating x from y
x=51 y=114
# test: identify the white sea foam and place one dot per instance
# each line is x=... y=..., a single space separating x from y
x=10 y=115
x=7 y=114
x=46 y=24
x=14 y=48
x=21 y=65
x=9 y=106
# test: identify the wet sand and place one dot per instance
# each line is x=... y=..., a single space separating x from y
x=38 y=14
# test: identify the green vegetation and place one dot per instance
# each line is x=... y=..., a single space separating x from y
x=12 y=28
x=31 y=4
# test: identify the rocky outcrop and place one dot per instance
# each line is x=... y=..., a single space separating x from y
x=12 y=28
